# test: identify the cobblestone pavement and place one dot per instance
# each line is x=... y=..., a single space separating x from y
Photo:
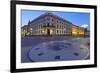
x=28 y=43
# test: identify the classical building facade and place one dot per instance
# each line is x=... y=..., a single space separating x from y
x=50 y=24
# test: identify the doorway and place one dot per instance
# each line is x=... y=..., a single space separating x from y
x=48 y=31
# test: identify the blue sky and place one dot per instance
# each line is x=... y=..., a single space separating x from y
x=76 y=18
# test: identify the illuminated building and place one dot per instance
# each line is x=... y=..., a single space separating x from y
x=50 y=24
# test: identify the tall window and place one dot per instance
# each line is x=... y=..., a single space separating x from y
x=57 y=31
x=57 y=26
x=52 y=19
x=60 y=26
x=47 y=24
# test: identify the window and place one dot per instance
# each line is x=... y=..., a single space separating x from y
x=57 y=31
x=47 y=24
x=60 y=26
x=57 y=21
x=51 y=24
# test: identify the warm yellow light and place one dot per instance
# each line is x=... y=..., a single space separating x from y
x=28 y=33
x=51 y=31
x=74 y=31
x=81 y=31
x=43 y=31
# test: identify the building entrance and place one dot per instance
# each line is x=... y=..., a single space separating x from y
x=48 y=31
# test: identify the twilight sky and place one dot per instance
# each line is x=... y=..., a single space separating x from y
x=77 y=18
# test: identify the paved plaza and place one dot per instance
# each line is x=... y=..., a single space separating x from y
x=54 y=48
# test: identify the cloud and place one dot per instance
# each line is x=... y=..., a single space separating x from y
x=84 y=25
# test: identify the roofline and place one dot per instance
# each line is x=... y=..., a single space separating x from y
x=53 y=15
